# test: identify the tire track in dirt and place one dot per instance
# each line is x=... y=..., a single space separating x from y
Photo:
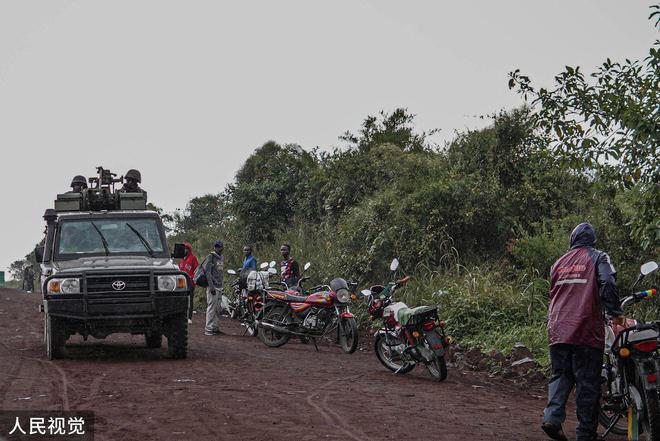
x=64 y=394
x=4 y=386
x=330 y=416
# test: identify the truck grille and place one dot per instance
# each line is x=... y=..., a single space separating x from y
x=118 y=284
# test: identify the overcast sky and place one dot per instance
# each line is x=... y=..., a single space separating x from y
x=186 y=90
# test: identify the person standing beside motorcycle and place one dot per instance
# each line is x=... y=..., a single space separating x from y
x=583 y=281
x=214 y=270
x=188 y=265
x=250 y=262
x=289 y=268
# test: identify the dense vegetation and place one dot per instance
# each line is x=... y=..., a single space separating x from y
x=477 y=223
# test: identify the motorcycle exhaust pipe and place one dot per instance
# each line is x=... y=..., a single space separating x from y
x=275 y=328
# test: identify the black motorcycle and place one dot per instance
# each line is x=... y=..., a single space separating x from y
x=630 y=402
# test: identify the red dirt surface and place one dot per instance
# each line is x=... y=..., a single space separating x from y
x=232 y=387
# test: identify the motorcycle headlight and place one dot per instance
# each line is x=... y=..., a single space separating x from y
x=172 y=283
x=64 y=286
x=343 y=295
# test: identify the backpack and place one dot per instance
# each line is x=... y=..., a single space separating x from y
x=200 y=275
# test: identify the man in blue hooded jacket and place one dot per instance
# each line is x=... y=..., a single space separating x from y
x=582 y=284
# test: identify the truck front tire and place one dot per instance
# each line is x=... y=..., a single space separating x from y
x=177 y=336
x=55 y=336
x=154 y=340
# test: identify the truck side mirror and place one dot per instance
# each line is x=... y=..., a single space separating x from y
x=179 y=251
x=39 y=254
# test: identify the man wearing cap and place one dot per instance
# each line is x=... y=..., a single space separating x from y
x=582 y=285
x=214 y=270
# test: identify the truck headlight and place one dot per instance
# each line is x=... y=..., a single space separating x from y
x=64 y=286
x=172 y=283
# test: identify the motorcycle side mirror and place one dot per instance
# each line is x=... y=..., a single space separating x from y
x=264 y=265
x=307 y=265
x=394 y=265
x=272 y=271
x=648 y=268
x=39 y=254
x=366 y=292
x=644 y=271
x=272 y=264
x=231 y=272
x=179 y=251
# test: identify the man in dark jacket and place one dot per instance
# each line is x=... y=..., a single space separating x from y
x=214 y=269
x=583 y=283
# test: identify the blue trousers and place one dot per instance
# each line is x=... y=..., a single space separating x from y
x=578 y=366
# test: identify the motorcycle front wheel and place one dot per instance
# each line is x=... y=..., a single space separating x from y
x=274 y=314
x=348 y=335
x=388 y=356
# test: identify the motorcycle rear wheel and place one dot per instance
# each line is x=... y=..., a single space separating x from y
x=383 y=352
x=606 y=417
x=438 y=368
x=348 y=335
x=651 y=423
x=270 y=337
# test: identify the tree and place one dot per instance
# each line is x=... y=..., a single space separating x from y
x=395 y=128
x=271 y=188
x=609 y=121
x=16 y=268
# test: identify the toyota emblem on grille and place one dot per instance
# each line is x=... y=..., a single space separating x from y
x=118 y=285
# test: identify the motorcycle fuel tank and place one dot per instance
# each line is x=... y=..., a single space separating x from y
x=320 y=299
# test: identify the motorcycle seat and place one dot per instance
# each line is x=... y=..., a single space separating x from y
x=407 y=316
x=647 y=334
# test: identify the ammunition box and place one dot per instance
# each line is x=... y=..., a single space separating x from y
x=68 y=202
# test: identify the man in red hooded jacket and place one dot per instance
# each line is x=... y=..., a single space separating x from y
x=188 y=265
x=582 y=287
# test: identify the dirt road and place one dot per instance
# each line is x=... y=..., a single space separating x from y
x=233 y=387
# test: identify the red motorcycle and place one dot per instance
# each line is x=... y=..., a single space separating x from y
x=409 y=336
x=320 y=314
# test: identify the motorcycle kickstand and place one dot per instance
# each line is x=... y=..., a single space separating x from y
x=618 y=417
x=315 y=346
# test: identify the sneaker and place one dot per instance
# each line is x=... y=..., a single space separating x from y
x=216 y=332
x=189 y=322
x=554 y=431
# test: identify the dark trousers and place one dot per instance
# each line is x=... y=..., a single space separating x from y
x=578 y=366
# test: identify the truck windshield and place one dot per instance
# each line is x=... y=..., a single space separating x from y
x=87 y=236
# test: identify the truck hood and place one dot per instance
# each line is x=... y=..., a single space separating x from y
x=115 y=262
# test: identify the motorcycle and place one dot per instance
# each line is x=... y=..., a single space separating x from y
x=409 y=336
x=288 y=313
x=249 y=294
x=630 y=402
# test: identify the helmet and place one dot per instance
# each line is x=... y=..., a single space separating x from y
x=79 y=180
x=133 y=174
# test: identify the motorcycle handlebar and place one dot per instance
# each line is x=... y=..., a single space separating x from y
x=403 y=281
x=648 y=294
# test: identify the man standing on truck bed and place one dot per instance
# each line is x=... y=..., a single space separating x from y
x=214 y=270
